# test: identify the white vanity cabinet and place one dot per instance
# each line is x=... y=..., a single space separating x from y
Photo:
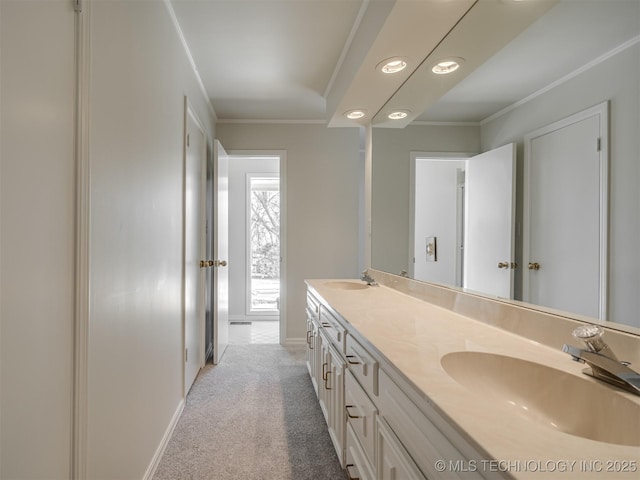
x=312 y=354
x=326 y=364
x=334 y=385
x=361 y=415
x=381 y=426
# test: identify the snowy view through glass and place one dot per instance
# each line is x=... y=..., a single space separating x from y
x=265 y=245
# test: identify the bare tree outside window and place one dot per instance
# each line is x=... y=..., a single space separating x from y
x=265 y=244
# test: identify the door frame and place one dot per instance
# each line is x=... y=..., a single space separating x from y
x=190 y=112
x=283 y=227
x=602 y=111
x=414 y=158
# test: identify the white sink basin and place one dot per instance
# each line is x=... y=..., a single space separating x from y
x=346 y=285
x=566 y=402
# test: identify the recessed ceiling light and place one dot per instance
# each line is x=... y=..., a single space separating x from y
x=398 y=114
x=392 y=65
x=355 y=114
x=447 y=65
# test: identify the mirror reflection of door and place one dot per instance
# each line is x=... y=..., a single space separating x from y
x=489 y=256
x=565 y=213
x=465 y=208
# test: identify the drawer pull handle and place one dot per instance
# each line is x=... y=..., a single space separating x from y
x=324 y=373
x=349 y=473
x=349 y=357
x=308 y=339
x=326 y=381
x=326 y=324
x=347 y=407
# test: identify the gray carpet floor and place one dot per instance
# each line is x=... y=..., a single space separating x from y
x=254 y=416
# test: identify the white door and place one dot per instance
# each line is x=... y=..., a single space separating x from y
x=489 y=222
x=194 y=247
x=564 y=247
x=220 y=251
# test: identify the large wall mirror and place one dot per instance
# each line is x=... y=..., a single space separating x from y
x=571 y=60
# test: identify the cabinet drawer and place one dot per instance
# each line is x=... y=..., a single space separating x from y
x=363 y=365
x=393 y=460
x=422 y=439
x=334 y=330
x=361 y=414
x=357 y=464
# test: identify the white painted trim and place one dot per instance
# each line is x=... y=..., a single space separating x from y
x=188 y=111
x=79 y=447
x=294 y=341
x=347 y=45
x=271 y=121
x=187 y=51
x=444 y=124
x=620 y=48
x=433 y=156
x=602 y=111
x=157 y=457
x=368 y=179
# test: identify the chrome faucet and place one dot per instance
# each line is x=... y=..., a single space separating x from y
x=369 y=280
x=604 y=364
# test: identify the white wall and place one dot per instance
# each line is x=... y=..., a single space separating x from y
x=37 y=237
x=322 y=206
x=616 y=80
x=391 y=171
x=139 y=75
x=239 y=167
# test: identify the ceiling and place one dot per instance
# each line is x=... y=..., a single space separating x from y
x=312 y=60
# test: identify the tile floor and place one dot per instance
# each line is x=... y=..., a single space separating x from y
x=260 y=331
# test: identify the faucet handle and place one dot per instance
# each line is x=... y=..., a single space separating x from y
x=591 y=335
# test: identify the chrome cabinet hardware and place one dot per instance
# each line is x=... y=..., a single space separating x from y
x=534 y=266
x=504 y=265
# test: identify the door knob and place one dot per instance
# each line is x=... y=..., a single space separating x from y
x=534 y=266
x=503 y=265
x=219 y=263
x=206 y=263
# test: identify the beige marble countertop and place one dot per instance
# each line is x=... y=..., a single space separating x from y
x=413 y=336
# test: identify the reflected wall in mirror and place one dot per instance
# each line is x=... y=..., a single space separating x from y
x=473 y=118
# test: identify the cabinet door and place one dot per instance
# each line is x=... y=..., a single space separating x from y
x=335 y=388
x=361 y=414
x=322 y=374
x=313 y=354
x=394 y=463
x=357 y=463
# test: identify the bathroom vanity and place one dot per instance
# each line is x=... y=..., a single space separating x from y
x=421 y=383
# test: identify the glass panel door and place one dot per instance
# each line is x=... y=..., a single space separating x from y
x=264 y=244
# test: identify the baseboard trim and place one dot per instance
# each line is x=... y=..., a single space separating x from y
x=295 y=341
x=153 y=466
